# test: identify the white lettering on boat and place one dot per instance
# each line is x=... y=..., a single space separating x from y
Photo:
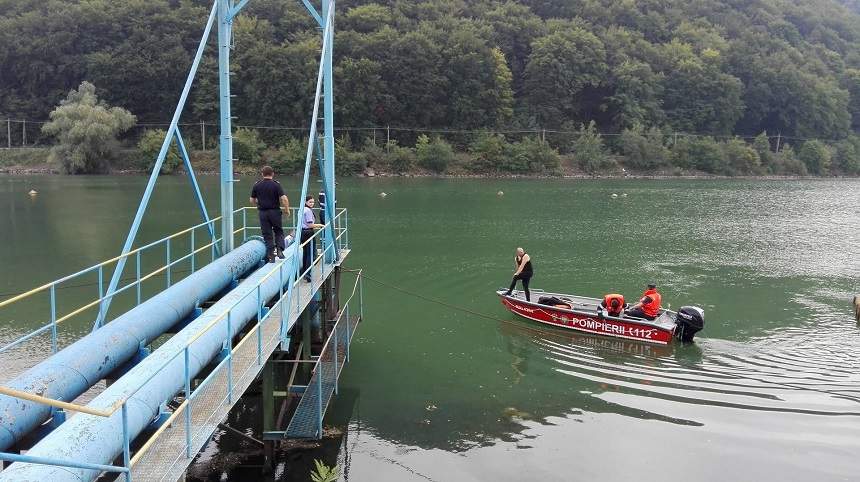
x=604 y=326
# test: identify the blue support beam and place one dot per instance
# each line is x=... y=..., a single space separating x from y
x=313 y=12
x=225 y=25
x=327 y=173
x=312 y=140
x=186 y=160
x=147 y=193
x=237 y=8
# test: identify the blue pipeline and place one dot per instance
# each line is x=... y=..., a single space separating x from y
x=73 y=370
x=151 y=382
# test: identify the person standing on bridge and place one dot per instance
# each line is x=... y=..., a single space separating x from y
x=523 y=272
x=309 y=224
x=269 y=198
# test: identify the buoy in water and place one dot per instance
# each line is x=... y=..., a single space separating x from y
x=33 y=192
x=614 y=195
x=624 y=194
x=382 y=194
x=500 y=193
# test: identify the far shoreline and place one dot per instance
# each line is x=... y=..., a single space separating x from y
x=46 y=170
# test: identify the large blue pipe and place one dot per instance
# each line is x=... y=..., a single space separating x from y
x=73 y=370
x=96 y=439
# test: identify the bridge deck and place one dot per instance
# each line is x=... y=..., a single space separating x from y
x=167 y=454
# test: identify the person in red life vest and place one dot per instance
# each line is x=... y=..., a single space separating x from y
x=648 y=306
x=524 y=272
x=613 y=303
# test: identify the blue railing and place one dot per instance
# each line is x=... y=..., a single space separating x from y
x=224 y=370
x=50 y=307
x=307 y=420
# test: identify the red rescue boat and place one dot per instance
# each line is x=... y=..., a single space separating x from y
x=585 y=314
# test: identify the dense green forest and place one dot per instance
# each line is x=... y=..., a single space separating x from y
x=642 y=71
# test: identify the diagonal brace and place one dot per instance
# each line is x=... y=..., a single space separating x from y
x=196 y=188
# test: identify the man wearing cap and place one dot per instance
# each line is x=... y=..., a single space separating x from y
x=268 y=195
x=648 y=306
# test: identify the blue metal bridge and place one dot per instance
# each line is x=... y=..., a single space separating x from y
x=231 y=315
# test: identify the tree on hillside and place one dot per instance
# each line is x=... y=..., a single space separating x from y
x=86 y=130
x=816 y=156
x=562 y=66
x=589 y=151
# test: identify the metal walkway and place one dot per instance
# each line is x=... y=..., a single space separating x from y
x=166 y=455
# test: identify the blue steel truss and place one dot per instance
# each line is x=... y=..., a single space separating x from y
x=224 y=11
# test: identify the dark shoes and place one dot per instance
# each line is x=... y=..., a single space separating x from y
x=308 y=278
x=270 y=258
x=280 y=253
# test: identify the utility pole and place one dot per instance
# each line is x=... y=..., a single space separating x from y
x=8 y=133
x=24 y=133
x=203 y=134
x=387 y=138
x=778 y=138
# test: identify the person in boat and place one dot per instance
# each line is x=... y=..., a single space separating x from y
x=523 y=272
x=648 y=306
x=613 y=303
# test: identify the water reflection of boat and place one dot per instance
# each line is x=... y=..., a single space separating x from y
x=585 y=314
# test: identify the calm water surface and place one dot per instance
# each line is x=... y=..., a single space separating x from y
x=770 y=390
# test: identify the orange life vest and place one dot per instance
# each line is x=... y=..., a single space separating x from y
x=607 y=303
x=651 y=309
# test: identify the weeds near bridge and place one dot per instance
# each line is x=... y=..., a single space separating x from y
x=324 y=473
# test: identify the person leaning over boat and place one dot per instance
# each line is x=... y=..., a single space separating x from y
x=523 y=272
x=648 y=306
x=269 y=198
x=309 y=224
x=613 y=303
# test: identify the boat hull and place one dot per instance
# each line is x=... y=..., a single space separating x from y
x=589 y=321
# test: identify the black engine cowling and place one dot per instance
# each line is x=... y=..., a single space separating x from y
x=690 y=320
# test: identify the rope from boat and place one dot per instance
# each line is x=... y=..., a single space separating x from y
x=428 y=299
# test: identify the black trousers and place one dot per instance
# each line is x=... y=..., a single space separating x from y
x=525 y=278
x=638 y=313
x=309 y=249
x=273 y=230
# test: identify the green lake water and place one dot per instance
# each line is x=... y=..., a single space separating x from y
x=769 y=391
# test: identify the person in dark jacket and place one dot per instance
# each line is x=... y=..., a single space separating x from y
x=524 y=272
x=268 y=195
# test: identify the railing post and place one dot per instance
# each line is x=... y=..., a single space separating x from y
x=259 y=327
x=54 y=318
x=319 y=399
x=187 y=405
x=101 y=295
x=126 y=455
x=360 y=296
x=348 y=333
x=245 y=225
x=138 y=277
x=168 y=262
x=281 y=289
x=229 y=357
x=336 y=372
x=192 y=251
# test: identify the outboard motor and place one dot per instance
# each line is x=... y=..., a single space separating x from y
x=690 y=320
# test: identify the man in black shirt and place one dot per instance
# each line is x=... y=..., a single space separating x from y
x=268 y=195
